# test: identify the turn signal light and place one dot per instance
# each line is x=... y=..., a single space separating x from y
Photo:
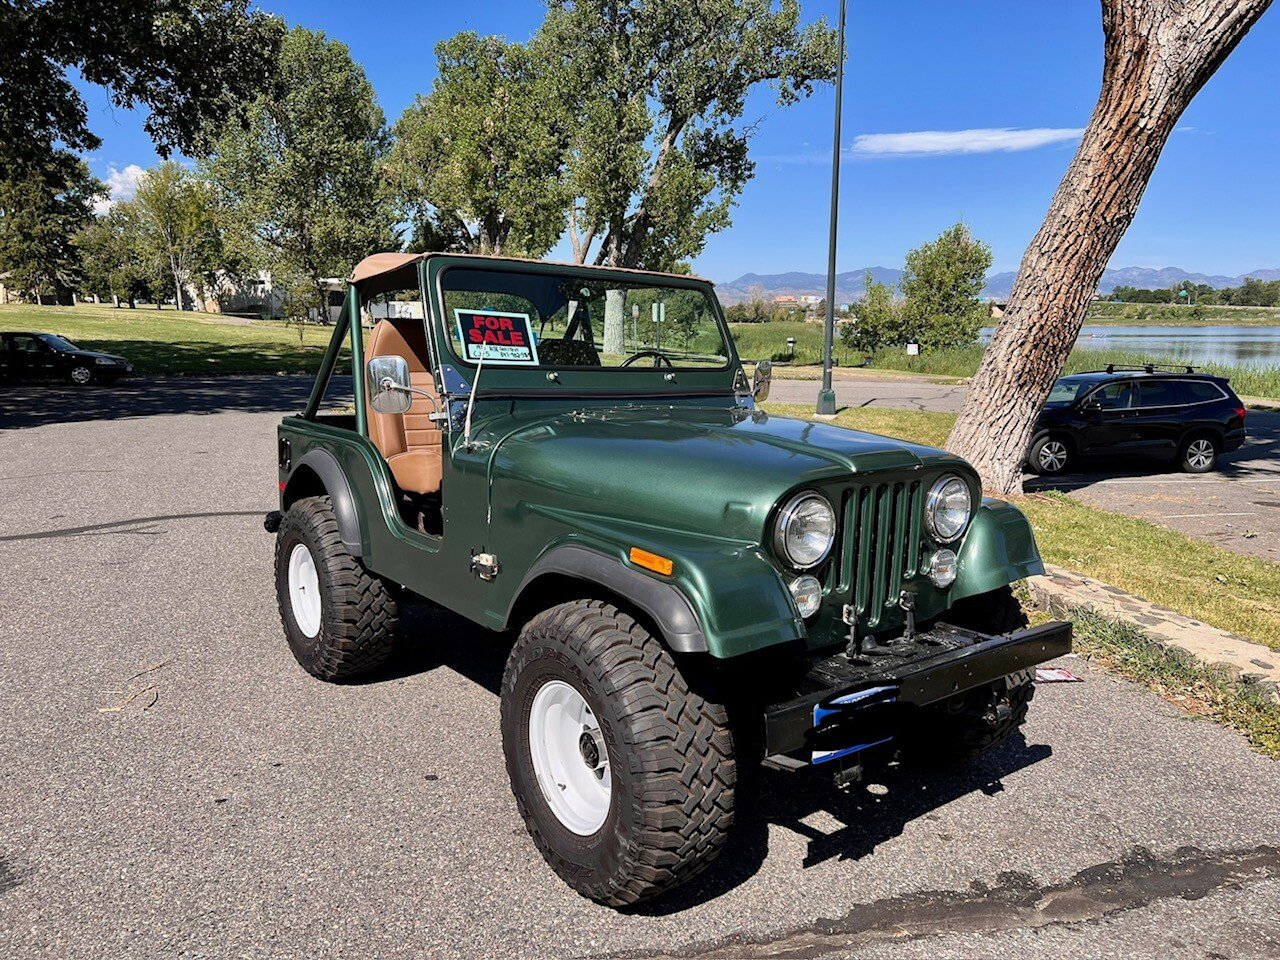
x=651 y=561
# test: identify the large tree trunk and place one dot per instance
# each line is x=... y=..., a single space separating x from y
x=1158 y=54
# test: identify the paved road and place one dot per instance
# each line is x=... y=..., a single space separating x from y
x=1236 y=507
x=171 y=783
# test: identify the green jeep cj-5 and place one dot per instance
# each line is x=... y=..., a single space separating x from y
x=575 y=455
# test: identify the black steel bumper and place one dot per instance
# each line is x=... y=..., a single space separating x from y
x=847 y=703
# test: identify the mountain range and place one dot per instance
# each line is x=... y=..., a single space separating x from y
x=850 y=284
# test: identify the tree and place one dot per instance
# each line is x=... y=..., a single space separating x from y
x=878 y=320
x=1157 y=56
x=42 y=207
x=114 y=262
x=190 y=62
x=300 y=184
x=657 y=90
x=175 y=214
x=942 y=282
x=477 y=162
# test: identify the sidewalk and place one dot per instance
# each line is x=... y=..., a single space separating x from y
x=1060 y=591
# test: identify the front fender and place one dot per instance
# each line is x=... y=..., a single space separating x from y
x=998 y=549
x=737 y=597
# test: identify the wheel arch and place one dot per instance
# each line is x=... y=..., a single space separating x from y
x=317 y=474
x=573 y=572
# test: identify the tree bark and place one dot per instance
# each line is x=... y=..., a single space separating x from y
x=1158 y=54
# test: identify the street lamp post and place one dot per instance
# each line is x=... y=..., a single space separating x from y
x=827 y=395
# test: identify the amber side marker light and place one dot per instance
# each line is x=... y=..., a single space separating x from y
x=651 y=561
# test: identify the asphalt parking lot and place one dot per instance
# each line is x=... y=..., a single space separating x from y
x=172 y=784
x=1236 y=507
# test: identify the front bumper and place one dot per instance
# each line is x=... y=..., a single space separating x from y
x=847 y=705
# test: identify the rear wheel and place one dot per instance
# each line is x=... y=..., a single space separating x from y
x=1198 y=453
x=1049 y=455
x=624 y=776
x=973 y=722
x=340 y=620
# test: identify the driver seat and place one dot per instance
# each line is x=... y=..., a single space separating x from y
x=410 y=442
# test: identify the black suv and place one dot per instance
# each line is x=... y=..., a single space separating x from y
x=47 y=356
x=1137 y=411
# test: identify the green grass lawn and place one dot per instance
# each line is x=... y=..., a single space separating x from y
x=1229 y=591
x=164 y=341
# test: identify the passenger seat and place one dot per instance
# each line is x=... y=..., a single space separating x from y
x=410 y=442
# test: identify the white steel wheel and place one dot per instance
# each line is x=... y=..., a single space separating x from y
x=1200 y=454
x=1053 y=456
x=304 y=590
x=569 y=758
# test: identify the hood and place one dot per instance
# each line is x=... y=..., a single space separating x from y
x=89 y=354
x=704 y=470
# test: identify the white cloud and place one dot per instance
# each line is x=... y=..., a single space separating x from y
x=939 y=142
x=121 y=185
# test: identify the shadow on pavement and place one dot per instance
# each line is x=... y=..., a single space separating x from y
x=37 y=404
x=868 y=815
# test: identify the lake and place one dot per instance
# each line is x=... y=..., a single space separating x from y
x=1256 y=347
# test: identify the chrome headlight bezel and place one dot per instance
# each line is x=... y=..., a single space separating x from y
x=943 y=533
x=783 y=522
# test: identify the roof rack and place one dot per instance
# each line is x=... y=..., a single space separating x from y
x=1149 y=368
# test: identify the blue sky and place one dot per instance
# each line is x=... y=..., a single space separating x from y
x=1002 y=85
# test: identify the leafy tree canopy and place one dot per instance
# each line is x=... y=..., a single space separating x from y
x=42 y=207
x=300 y=184
x=657 y=90
x=190 y=62
x=176 y=225
x=477 y=161
x=942 y=282
x=878 y=320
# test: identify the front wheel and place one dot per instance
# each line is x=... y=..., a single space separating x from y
x=1049 y=456
x=80 y=375
x=623 y=775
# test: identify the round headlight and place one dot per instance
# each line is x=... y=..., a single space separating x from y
x=805 y=530
x=947 y=508
x=807 y=593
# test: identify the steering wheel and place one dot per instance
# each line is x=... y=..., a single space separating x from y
x=659 y=358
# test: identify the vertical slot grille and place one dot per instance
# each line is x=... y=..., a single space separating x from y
x=881 y=545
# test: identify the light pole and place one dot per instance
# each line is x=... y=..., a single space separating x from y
x=827 y=395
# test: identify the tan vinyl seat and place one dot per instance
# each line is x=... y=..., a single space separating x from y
x=410 y=442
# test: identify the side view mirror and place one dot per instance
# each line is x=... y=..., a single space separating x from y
x=760 y=382
x=389 y=390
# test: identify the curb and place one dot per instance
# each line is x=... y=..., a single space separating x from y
x=1060 y=591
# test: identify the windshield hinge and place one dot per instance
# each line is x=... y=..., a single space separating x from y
x=485 y=565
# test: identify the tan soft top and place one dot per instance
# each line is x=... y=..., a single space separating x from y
x=380 y=272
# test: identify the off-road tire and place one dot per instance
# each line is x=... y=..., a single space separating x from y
x=670 y=754
x=973 y=722
x=358 y=613
x=1191 y=453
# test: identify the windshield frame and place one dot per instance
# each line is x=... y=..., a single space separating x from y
x=637 y=380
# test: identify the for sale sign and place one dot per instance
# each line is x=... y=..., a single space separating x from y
x=498 y=336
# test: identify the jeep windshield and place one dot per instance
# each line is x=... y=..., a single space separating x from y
x=546 y=320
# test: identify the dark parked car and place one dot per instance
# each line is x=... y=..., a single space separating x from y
x=1148 y=411
x=47 y=356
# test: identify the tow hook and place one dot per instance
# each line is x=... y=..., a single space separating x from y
x=846 y=776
